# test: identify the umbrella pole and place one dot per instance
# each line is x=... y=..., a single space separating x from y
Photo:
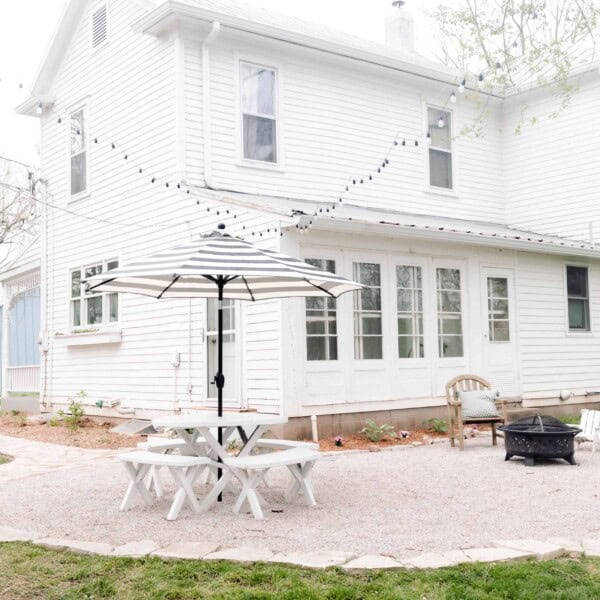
x=219 y=378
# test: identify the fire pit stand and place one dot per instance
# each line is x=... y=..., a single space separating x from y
x=539 y=438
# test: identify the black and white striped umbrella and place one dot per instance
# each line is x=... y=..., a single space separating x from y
x=246 y=271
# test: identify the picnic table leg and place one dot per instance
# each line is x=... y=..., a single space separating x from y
x=137 y=474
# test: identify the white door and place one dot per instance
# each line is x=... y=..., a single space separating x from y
x=499 y=331
x=231 y=390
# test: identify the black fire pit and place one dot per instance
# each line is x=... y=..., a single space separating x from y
x=539 y=438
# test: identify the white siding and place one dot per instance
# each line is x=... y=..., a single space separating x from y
x=337 y=120
x=552 y=177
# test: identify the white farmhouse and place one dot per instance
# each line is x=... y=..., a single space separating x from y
x=161 y=119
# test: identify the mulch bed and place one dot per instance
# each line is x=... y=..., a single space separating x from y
x=93 y=433
x=360 y=442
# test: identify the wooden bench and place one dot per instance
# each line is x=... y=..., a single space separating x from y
x=250 y=470
x=184 y=469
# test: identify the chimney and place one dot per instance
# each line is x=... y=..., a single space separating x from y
x=400 y=28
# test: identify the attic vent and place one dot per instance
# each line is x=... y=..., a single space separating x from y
x=99 y=31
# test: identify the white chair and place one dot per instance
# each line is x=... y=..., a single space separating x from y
x=590 y=428
x=250 y=471
x=184 y=469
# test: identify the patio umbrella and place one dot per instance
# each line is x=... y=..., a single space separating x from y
x=220 y=266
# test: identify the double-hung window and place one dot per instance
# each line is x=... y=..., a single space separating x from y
x=440 y=148
x=92 y=309
x=259 y=112
x=79 y=167
x=368 y=331
x=449 y=308
x=409 y=284
x=321 y=320
x=578 y=298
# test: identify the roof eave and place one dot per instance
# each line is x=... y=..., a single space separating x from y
x=437 y=235
x=162 y=18
x=30 y=107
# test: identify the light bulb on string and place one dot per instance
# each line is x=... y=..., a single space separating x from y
x=40 y=109
x=453 y=98
x=428 y=136
x=480 y=80
x=462 y=86
x=498 y=68
x=441 y=122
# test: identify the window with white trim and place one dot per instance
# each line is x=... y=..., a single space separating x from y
x=440 y=148
x=409 y=291
x=258 y=87
x=498 y=315
x=321 y=320
x=99 y=22
x=449 y=309
x=578 y=298
x=92 y=309
x=78 y=149
x=368 y=331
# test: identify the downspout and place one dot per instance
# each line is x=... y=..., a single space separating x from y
x=206 y=107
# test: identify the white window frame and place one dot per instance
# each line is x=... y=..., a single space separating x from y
x=83 y=107
x=326 y=335
x=383 y=269
x=277 y=117
x=463 y=312
x=589 y=330
x=451 y=191
x=106 y=322
x=424 y=306
x=96 y=7
x=489 y=313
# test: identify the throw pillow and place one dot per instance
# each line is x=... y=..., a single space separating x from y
x=479 y=404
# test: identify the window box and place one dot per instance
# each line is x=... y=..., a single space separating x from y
x=90 y=337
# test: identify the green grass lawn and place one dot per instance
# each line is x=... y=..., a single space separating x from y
x=28 y=572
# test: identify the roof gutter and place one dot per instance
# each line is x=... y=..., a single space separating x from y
x=206 y=103
x=155 y=21
x=354 y=226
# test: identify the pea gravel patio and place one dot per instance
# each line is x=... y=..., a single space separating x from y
x=397 y=502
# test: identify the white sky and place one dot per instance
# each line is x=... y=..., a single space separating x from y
x=26 y=27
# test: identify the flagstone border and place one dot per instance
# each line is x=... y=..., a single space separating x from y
x=500 y=551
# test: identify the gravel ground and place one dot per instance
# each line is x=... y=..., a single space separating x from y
x=398 y=502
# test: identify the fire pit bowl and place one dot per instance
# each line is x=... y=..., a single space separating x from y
x=539 y=438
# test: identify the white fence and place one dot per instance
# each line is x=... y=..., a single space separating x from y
x=23 y=379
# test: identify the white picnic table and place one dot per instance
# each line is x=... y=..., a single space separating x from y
x=193 y=426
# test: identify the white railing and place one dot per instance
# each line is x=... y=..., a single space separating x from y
x=23 y=379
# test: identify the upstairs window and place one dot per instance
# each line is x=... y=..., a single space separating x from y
x=95 y=308
x=259 y=112
x=78 y=153
x=440 y=148
x=99 y=26
x=578 y=298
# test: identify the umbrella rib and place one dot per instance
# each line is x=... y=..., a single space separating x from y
x=90 y=288
x=319 y=288
x=249 y=290
x=175 y=280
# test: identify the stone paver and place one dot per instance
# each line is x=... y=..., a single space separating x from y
x=570 y=547
x=35 y=458
x=315 y=560
x=242 y=554
x=541 y=550
x=188 y=550
x=591 y=547
x=436 y=560
x=496 y=554
x=372 y=561
x=136 y=549
x=78 y=546
x=9 y=534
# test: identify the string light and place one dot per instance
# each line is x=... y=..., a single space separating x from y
x=462 y=86
x=453 y=97
x=441 y=122
x=40 y=109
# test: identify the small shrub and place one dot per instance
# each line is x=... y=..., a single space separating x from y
x=339 y=441
x=74 y=416
x=15 y=413
x=234 y=445
x=438 y=425
x=375 y=433
x=53 y=422
x=20 y=418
